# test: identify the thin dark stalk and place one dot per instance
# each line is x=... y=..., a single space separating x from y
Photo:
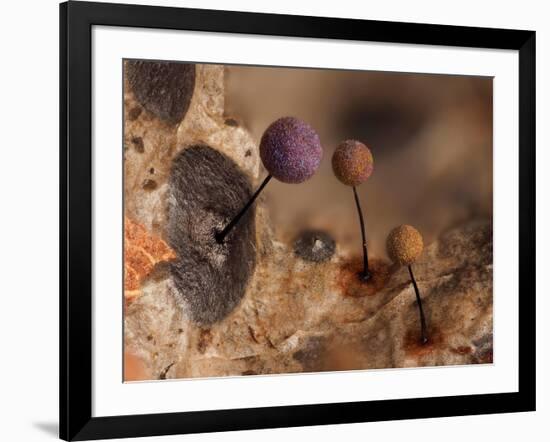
x=220 y=236
x=423 y=333
x=365 y=275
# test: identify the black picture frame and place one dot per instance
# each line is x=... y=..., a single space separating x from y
x=76 y=21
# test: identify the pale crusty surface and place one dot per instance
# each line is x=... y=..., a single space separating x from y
x=295 y=316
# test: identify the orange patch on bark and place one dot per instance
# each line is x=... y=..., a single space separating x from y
x=134 y=368
x=142 y=251
x=350 y=282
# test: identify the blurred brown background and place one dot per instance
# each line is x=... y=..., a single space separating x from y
x=431 y=137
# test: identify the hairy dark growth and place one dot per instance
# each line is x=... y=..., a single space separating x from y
x=313 y=355
x=207 y=189
x=164 y=89
x=314 y=245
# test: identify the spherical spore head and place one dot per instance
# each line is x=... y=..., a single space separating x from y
x=290 y=150
x=352 y=162
x=404 y=244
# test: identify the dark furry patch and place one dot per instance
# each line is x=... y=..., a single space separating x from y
x=164 y=89
x=231 y=122
x=207 y=190
x=314 y=246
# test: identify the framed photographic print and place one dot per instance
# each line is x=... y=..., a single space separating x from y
x=274 y=220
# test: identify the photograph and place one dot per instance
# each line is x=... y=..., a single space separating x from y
x=263 y=221
x=285 y=220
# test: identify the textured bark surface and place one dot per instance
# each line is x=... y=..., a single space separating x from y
x=301 y=307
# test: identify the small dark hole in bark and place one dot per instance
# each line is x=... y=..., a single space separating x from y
x=138 y=144
x=149 y=185
x=231 y=122
x=134 y=113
